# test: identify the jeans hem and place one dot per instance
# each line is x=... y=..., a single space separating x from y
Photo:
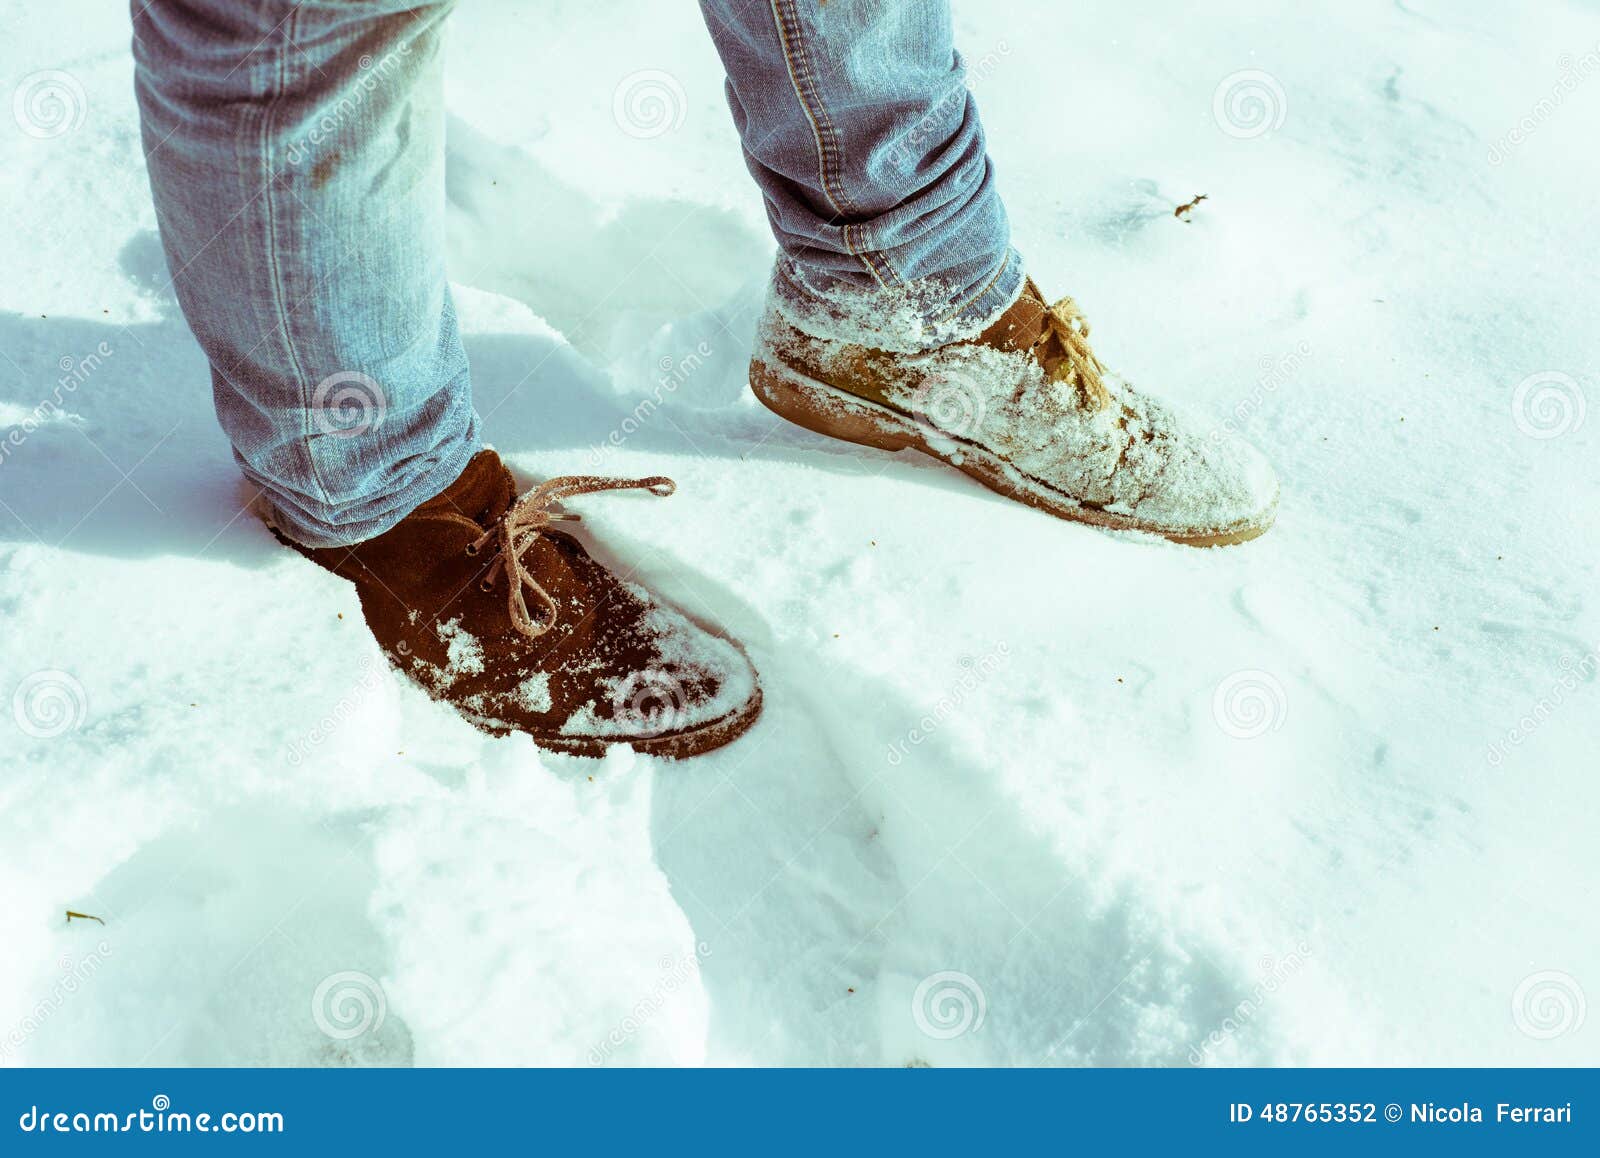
x=997 y=296
x=428 y=485
x=909 y=318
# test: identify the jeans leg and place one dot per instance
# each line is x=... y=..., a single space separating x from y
x=858 y=126
x=296 y=154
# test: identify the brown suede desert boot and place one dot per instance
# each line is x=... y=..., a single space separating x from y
x=1028 y=410
x=481 y=601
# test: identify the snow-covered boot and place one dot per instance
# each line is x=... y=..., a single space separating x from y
x=479 y=599
x=1026 y=409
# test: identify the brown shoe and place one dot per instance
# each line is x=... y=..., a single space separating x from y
x=479 y=600
x=1028 y=410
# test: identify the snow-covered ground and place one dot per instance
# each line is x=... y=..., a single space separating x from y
x=1023 y=792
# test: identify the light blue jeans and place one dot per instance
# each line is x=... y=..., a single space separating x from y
x=296 y=154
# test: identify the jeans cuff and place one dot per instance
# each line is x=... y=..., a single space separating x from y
x=994 y=298
x=908 y=318
x=297 y=525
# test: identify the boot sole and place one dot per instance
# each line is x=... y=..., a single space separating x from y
x=825 y=409
x=668 y=746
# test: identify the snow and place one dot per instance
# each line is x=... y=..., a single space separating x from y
x=1022 y=791
x=533 y=693
x=464 y=655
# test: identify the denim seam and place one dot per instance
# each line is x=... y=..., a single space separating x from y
x=822 y=130
x=275 y=281
x=861 y=250
x=1000 y=269
x=882 y=255
x=800 y=75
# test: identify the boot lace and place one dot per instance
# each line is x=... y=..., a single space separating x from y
x=522 y=525
x=1066 y=355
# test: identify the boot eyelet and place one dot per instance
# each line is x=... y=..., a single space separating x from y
x=472 y=549
x=485 y=586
